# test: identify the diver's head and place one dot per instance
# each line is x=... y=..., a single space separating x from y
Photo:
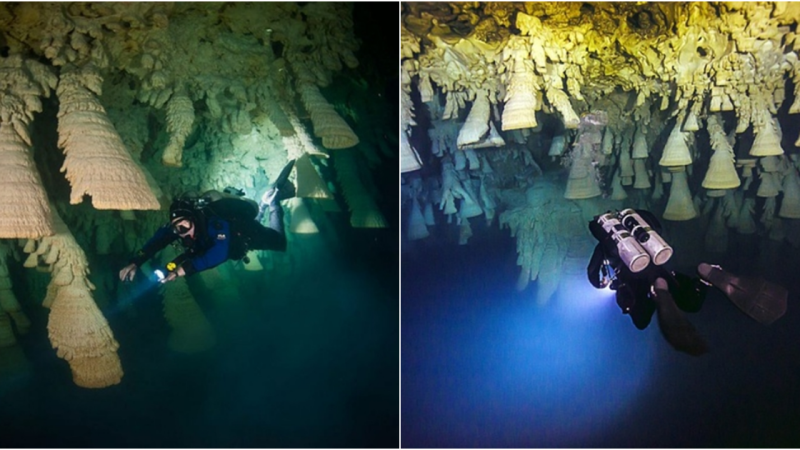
x=182 y=216
x=183 y=227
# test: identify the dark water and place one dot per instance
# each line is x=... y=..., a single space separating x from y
x=310 y=360
x=484 y=366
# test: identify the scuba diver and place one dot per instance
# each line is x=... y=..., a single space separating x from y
x=630 y=258
x=215 y=227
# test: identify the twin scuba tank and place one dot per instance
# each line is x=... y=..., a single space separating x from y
x=637 y=242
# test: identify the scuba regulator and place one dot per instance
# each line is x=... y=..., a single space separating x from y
x=636 y=241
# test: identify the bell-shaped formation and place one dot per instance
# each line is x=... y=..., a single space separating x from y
x=617 y=191
x=679 y=206
x=309 y=183
x=790 y=206
x=191 y=331
x=364 y=213
x=676 y=152
x=557 y=145
x=180 y=117
x=97 y=162
x=24 y=211
x=328 y=125
x=476 y=126
x=769 y=186
x=767 y=141
x=417 y=228
x=721 y=169
x=76 y=327
x=640 y=149
x=520 y=107
x=641 y=177
x=409 y=158
x=300 y=218
x=582 y=182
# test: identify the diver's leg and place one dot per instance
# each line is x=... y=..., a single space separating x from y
x=755 y=296
x=675 y=327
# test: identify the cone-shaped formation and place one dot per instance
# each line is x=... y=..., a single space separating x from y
x=520 y=108
x=364 y=211
x=790 y=206
x=582 y=182
x=745 y=223
x=767 y=141
x=96 y=162
x=328 y=125
x=409 y=158
x=308 y=182
x=721 y=169
x=24 y=211
x=640 y=149
x=492 y=139
x=680 y=205
x=769 y=186
x=300 y=219
x=477 y=124
x=76 y=327
x=676 y=152
x=180 y=117
x=557 y=146
x=417 y=229
x=642 y=178
x=191 y=331
x=617 y=191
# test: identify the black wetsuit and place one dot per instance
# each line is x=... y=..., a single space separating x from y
x=634 y=295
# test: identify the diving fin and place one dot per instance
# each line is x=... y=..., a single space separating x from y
x=758 y=298
x=676 y=328
x=285 y=190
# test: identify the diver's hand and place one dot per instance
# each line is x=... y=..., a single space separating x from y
x=179 y=272
x=128 y=272
x=269 y=197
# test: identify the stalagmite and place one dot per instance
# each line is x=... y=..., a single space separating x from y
x=680 y=205
x=77 y=328
x=191 y=331
x=96 y=162
x=409 y=158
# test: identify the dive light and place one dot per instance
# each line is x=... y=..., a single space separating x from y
x=159 y=274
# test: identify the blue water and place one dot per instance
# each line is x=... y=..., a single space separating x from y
x=484 y=366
